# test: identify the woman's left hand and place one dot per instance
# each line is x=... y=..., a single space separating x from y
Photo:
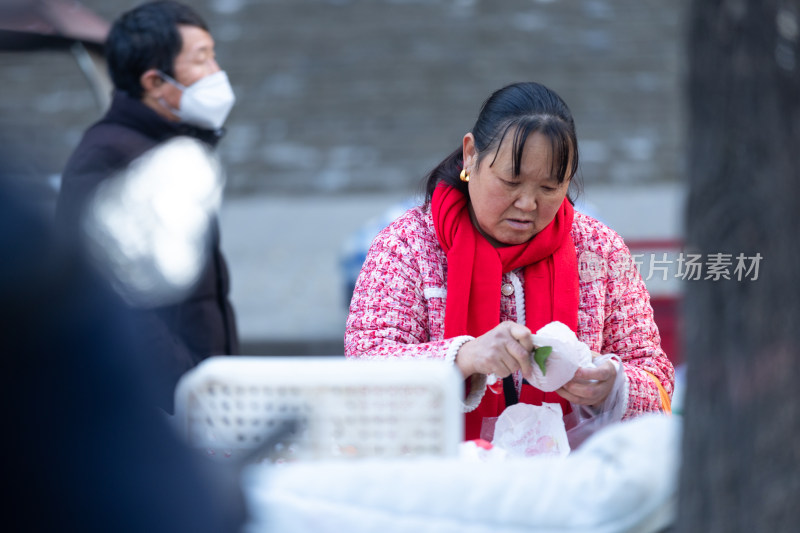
x=590 y=386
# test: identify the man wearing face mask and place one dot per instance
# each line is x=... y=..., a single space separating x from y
x=167 y=84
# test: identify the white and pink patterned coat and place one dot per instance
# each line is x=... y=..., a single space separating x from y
x=399 y=301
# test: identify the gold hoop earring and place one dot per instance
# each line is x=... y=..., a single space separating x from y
x=464 y=175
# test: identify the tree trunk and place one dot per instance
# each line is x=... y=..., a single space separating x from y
x=741 y=447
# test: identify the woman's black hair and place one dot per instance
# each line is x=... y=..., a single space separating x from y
x=147 y=37
x=520 y=108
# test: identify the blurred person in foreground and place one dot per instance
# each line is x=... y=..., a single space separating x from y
x=83 y=447
x=493 y=255
x=167 y=84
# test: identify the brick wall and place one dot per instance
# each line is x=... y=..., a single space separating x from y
x=367 y=95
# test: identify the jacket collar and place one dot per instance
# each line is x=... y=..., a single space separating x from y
x=133 y=113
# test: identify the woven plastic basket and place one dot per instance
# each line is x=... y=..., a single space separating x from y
x=230 y=406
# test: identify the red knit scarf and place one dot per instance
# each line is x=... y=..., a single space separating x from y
x=474 y=276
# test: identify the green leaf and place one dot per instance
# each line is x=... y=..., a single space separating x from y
x=540 y=356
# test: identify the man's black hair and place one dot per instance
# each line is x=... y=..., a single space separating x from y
x=147 y=37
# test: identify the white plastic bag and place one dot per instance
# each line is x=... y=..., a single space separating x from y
x=585 y=420
x=525 y=430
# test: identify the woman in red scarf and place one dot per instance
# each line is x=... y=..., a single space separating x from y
x=493 y=255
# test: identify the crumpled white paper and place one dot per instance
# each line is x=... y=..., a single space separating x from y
x=568 y=355
x=525 y=430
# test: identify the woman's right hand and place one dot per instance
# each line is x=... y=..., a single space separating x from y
x=501 y=351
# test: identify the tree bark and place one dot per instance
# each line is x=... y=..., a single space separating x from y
x=741 y=444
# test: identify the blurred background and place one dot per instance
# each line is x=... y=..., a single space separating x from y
x=344 y=105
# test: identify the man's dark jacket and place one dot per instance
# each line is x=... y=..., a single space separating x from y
x=203 y=324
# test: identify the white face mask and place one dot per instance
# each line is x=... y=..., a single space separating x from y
x=205 y=103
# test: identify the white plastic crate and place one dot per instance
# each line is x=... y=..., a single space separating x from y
x=229 y=406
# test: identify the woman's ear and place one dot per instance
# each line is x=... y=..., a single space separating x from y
x=469 y=151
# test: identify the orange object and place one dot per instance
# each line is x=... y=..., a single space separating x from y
x=666 y=403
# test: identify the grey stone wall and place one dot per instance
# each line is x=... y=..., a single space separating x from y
x=367 y=95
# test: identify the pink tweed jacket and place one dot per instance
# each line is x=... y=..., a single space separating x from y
x=399 y=301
